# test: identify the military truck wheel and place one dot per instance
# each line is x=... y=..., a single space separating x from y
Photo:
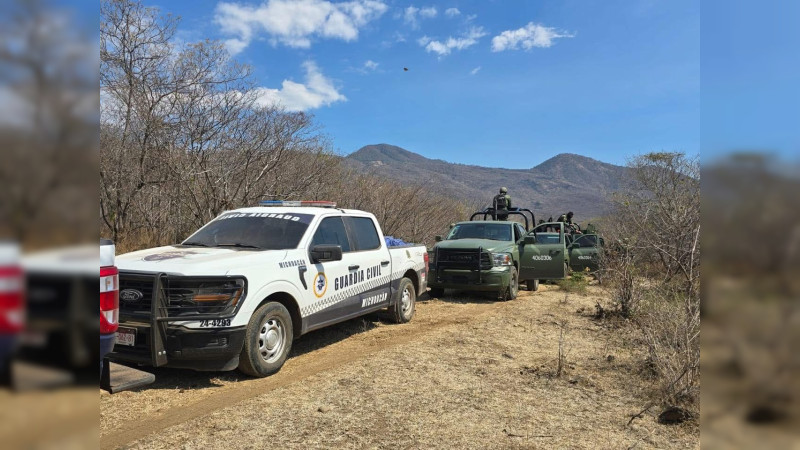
x=436 y=292
x=405 y=302
x=510 y=292
x=533 y=285
x=267 y=341
x=513 y=289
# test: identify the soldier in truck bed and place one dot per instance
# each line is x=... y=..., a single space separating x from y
x=570 y=226
x=502 y=202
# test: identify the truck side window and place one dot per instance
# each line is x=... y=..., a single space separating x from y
x=588 y=241
x=331 y=232
x=364 y=233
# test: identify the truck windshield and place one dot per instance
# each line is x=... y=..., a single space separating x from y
x=477 y=230
x=263 y=231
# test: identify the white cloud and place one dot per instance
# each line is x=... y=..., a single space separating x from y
x=443 y=48
x=397 y=38
x=412 y=15
x=294 y=22
x=527 y=37
x=371 y=65
x=428 y=12
x=316 y=92
x=451 y=12
x=475 y=70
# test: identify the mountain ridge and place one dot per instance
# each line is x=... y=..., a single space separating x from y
x=564 y=182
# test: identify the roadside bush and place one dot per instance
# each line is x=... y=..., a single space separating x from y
x=575 y=283
x=670 y=324
x=652 y=266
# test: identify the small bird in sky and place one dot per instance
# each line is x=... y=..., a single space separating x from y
x=405 y=69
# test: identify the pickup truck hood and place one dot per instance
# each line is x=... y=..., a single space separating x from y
x=473 y=244
x=196 y=260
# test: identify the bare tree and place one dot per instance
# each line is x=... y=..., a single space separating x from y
x=185 y=137
x=48 y=124
x=653 y=265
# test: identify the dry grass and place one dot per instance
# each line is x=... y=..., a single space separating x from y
x=465 y=373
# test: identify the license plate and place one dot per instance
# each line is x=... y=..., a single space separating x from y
x=126 y=336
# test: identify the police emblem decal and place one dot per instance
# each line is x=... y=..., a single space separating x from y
x=320 y=284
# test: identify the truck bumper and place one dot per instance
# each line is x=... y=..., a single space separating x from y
x=185 y=348
x=494 y=279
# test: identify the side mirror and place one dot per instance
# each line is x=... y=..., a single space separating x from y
x=529 y=239
x=438 y=238
x=325 y=253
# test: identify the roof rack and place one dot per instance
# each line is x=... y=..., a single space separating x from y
x=295 y=203
x=494 y=213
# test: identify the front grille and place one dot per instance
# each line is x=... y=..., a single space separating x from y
x=135 y=294
x=175 y=296
x=464 y=259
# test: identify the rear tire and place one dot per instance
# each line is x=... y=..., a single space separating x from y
x=436 y=292
x=405 y=302
x=267 y=341
x=533 y=285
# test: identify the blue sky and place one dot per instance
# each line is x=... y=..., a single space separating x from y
x=750 y=77
x=624 y=79
x=494 y=83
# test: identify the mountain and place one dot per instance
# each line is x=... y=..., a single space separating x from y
x=565 y=182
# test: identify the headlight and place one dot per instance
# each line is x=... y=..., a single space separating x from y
x=188 y=297
x=502 y=259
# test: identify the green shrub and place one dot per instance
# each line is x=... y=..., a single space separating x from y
x=575 y=283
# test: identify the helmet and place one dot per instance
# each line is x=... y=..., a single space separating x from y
x=503 y=190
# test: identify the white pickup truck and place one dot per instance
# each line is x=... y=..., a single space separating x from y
x=240 y=289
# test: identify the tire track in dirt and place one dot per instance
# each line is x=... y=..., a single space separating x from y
x=437 y=316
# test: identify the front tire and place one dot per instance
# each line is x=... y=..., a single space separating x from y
x=405 y=302
x=533 y=285
x=510 y=292
x=268 y=340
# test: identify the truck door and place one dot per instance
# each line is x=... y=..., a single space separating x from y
x=542 y=256
x=374 y=264
x=583 y=252
x=325 y=301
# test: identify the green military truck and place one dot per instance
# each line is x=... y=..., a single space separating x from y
x=584 y=252
x=495 y=256
x=583 y=249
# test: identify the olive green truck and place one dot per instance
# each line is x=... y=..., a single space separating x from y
x=496 y=256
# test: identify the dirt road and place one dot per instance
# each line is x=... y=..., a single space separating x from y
x=467 y=372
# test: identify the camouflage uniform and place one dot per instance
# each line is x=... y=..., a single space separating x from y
x=502 y=202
